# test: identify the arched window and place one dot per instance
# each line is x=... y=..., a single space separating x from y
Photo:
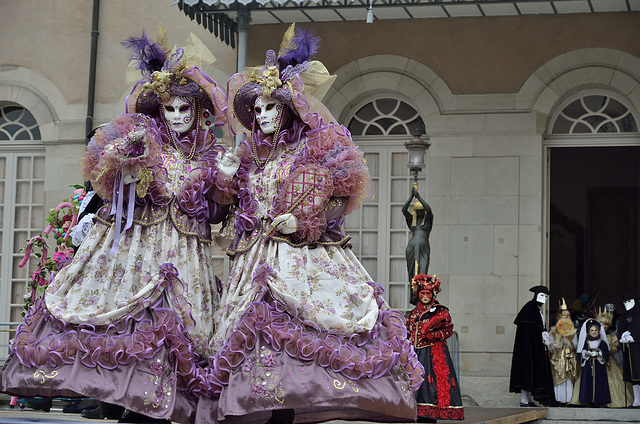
x=17 y=123
x=594 y=112
x=385 y=116
x=378 y=229
x=22 y=167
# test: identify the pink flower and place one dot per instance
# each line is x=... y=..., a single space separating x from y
x=40 y=280
x=62 y=255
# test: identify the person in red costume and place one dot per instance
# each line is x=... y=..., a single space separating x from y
x=429 y=326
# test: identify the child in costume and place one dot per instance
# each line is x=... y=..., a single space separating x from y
x=304 y=332
x=429 y=326
x=594 y=354
x=129 y=319
x=562 y=354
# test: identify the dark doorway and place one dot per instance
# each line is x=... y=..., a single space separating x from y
x=594 y=226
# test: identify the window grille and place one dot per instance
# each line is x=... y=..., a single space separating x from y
x=21 y=207
x=17 y=124
x=378 y=229
x=385 y=116
x=594 y=113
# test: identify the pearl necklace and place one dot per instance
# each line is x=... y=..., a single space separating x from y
x=261 y=163
x=192 y=151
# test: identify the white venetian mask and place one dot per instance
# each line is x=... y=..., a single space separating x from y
x=542 y=298
x=629 y=304
x=180 y=114
x=268 y=113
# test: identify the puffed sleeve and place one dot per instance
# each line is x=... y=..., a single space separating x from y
x=208 y=193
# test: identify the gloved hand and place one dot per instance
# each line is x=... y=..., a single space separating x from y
x=626 y=338
x=286 y=223
x=130 y=178
x=228 y=162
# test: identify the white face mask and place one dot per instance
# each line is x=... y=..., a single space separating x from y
x=268 y=113
x=180 y=114
x=628 y=304
x=542 y=298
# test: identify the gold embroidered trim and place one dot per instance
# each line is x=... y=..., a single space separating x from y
x=42 y=375
x=159 y=215
x=145 y=176
x=340 y=385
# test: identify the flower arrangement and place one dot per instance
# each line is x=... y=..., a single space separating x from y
x=65 y=216
x=60 y=221
x=125 y=147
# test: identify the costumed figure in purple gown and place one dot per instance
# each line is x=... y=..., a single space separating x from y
x=304 y=333
x=429 y=326
x=530 y=366
x=594 y=354
x=129 y=320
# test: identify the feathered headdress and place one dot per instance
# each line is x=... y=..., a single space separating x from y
x=162 y=72
x=425 y=282
x=147 y=56
x=273 y=80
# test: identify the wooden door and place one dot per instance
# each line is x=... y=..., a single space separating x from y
x=613 y=252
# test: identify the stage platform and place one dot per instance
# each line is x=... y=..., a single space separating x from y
x=473 y=415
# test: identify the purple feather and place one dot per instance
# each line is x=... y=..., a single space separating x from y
x=147 y=55
x=306 y=44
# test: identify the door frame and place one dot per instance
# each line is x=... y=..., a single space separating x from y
x=570 y=140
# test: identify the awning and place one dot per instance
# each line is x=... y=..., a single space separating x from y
x=220 y=16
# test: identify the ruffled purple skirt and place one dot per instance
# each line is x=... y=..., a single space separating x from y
x=146 y=363
x=274 y=360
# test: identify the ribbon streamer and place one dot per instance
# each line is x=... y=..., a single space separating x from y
x=117 y=208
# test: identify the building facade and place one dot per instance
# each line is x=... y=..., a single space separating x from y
x=532 y=173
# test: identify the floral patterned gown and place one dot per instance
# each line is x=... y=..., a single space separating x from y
x=130 y=319
x=302 y=326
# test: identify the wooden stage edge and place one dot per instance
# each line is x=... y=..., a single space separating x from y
x=481 y=415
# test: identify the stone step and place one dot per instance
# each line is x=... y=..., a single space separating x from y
x=599 y=415
x=548 y=421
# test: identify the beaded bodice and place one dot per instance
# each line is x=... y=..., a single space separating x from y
x=264 y=182
x=177 y=166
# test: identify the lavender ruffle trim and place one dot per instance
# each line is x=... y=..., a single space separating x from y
x=367 y=355
x=43 y=339
x=139 y=337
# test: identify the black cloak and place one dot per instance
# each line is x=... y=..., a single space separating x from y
x=530 y=366
x=630 y=322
